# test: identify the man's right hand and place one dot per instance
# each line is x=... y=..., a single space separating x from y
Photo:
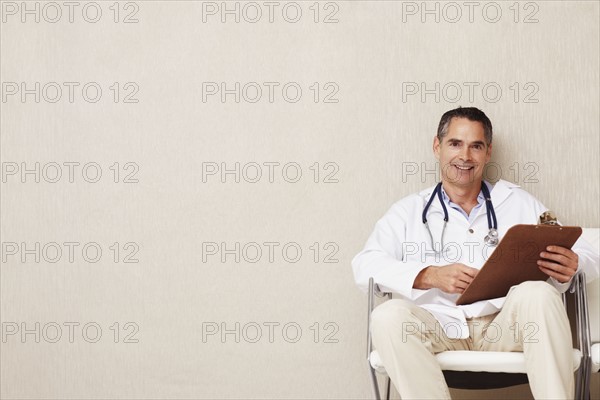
x=452 y=278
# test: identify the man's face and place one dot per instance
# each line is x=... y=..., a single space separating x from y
x=462 y=153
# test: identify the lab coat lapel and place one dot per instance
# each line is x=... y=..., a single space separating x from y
x=500 y=192
x=502 y=189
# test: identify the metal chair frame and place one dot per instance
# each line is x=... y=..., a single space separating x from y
x=582 y=326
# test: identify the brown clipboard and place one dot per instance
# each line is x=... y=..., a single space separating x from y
x=515 y=260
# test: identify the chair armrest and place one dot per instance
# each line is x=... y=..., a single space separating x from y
x=377 y=291
x=373 y=291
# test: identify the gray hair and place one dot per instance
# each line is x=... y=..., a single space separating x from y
x=470 y=113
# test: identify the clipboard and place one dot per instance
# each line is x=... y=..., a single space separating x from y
x=515 y=260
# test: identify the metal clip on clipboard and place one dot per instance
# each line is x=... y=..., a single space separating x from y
x=548 y=218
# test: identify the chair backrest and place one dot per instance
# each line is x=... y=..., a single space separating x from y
x=592 y=235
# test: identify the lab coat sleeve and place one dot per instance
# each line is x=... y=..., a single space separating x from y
x=560 y=286
x=589 y=259
x=384 y=257
x=589 y=263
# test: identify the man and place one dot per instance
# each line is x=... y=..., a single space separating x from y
x=430 y=265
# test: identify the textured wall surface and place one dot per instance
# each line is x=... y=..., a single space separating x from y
x=182 y=193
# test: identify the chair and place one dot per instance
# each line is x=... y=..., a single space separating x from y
x=593 y=292
x=594 y=311
x=489 y=370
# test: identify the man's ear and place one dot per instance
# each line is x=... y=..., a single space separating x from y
x=436 y=147
x=488 y=156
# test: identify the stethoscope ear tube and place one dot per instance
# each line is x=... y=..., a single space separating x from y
x=424 y=215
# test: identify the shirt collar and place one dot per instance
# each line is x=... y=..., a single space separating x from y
x=480 y=197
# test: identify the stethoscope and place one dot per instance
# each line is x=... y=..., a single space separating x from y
x=491 y=239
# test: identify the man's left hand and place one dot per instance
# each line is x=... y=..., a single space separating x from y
x=560 y=263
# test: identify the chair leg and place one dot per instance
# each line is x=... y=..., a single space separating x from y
x=387 y=391
x=374 y=383
x=578 y=383
x=582 y=389
x=580 y=380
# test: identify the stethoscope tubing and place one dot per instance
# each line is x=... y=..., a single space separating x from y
x=490 y=239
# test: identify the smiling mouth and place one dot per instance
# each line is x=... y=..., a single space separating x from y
x=464 y=167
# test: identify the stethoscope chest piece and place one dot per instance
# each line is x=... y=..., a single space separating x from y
x=492 y=237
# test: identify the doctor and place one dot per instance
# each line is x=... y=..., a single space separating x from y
x=428 y=254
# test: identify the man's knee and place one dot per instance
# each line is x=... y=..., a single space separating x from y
x=401 y=321
x=538 y=300
x=394 y=315
x=395 y=309
x=535 y=290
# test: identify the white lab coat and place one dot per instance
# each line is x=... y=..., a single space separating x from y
x=400 y=247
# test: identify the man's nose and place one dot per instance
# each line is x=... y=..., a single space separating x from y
x=465 y=153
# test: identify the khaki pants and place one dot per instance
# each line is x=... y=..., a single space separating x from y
x=533 y=320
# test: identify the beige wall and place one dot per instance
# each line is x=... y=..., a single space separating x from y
x=370 y=133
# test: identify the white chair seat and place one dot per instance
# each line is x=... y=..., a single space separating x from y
x=478 y=361
x=595 y=357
